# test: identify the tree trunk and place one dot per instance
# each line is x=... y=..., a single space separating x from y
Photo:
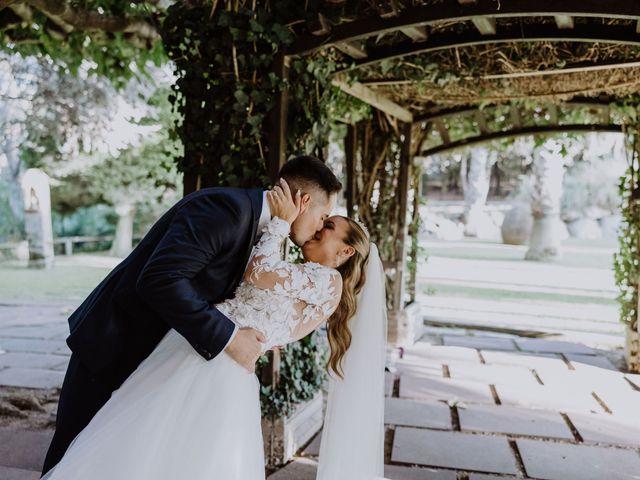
x=476 y=189
x=123 y=241
x=548 y=170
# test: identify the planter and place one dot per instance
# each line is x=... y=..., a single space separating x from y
x=632 y=350
x=284 y=436
x=405 y=326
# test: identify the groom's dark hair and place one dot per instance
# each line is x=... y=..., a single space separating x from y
x=306 y=172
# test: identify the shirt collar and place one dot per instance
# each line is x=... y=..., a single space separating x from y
x=265 y=214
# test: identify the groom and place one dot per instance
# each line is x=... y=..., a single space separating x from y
x=191 y=259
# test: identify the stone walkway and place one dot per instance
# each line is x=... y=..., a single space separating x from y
x=459 y=406
x=468 y=407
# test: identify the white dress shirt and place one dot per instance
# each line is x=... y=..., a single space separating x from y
x=265 y=216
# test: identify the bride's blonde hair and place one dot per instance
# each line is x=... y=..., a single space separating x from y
x=353 y=272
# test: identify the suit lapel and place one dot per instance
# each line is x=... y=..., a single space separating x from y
x=255 y=196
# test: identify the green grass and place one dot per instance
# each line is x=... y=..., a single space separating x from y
x=432 y=288
x=59 y=282
x=505 y=253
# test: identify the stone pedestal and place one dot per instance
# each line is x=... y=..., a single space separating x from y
x=283 y=437
x=632 y=350
x=37 y=217
x=405 y=326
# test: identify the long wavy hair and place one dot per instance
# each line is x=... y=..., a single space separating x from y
x=353 y=272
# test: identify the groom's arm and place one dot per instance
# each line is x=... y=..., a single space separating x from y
x=201 y=230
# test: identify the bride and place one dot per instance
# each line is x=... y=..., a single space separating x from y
x=178 y=416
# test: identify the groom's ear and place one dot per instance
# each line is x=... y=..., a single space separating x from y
x=305 y=201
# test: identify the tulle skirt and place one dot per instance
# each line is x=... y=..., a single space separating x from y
x=176 y=417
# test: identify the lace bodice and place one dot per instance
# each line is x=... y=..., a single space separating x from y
x=284 y=301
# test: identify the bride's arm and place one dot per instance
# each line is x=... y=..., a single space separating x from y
x=267 y=270
x=316 y=289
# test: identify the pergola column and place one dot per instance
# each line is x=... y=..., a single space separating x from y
x=277 y=142
x=350 y=150
x=404 y=321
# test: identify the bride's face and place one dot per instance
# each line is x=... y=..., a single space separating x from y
x=327 y=246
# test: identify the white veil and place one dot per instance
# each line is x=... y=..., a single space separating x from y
x=352 y=446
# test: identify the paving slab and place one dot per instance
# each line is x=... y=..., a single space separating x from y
x=31 y=378
x=46 y=331
x=23 y=449
x=557 y=461
x=411 y=413
x=585 y=380
x=579 y=360
x=313 y=449
x=299 y=469
x=606 y=428
x=482 y=476
x=529 y=360
x=491 y=374
x=395 y=472
x=550 y=346
x=622 y=403
x=484 y=343
x=453 y=450
x=513 y=420
x=442 y=353
x=33 y=360
x=8 y=473
x=634 y=378
x=31 y=345
x=419 y=369
x=446 y=389
x=548 y=398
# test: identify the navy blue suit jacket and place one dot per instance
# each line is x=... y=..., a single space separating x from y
x=194 y=256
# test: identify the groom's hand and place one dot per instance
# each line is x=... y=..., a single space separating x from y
x=245 y=348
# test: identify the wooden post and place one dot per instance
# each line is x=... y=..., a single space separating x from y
x=278 y=121
x=403 y=192
x=350 y=149
x=415 y=215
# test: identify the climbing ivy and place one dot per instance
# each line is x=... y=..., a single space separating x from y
x=226 y=87
x=626 y=260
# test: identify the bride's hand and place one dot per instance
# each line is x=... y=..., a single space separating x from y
x=282 y=203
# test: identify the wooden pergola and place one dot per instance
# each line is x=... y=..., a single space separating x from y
x=390 y=32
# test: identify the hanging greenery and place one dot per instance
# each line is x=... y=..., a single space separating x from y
x=225 y=56
x=626 y=261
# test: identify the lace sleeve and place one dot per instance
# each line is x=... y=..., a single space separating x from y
x=315 y=288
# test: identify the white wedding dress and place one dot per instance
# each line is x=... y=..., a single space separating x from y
x=179 y=416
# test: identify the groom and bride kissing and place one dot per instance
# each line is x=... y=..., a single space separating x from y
x=161 y=382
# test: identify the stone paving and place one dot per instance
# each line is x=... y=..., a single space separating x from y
x=458 y=406
x=485 y=407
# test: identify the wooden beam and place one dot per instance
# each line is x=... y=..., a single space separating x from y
x=612 y=34
x=417 y=34
x=350 y=150
x=515 y=113
x=561 y=71
x=605 y=115
x=564 y=21
x=538 y=130
x=276 y=156
x=443 y=131
x=374 y=99
x=452 y=11
x=353 y=49
x=485 y=25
